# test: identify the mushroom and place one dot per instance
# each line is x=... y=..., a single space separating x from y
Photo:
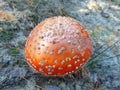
x=58 y=46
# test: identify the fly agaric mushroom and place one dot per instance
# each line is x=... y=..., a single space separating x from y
x=58 y=46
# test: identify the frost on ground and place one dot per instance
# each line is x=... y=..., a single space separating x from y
x=100 y=17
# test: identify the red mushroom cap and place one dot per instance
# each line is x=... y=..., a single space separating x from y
x=58 y=46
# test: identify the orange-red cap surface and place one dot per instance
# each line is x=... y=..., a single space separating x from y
x=58 y=46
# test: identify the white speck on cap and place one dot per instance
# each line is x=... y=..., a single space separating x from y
x=62 y=62
x=60 y=68
x=68 y=59
x=69 y=65
x=40 y=69
x=75 y=57
x=76 y=67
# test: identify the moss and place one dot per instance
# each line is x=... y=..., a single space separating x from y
x=14 y=52
x=6 y=35
x=17 y=58
x=21 y=62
